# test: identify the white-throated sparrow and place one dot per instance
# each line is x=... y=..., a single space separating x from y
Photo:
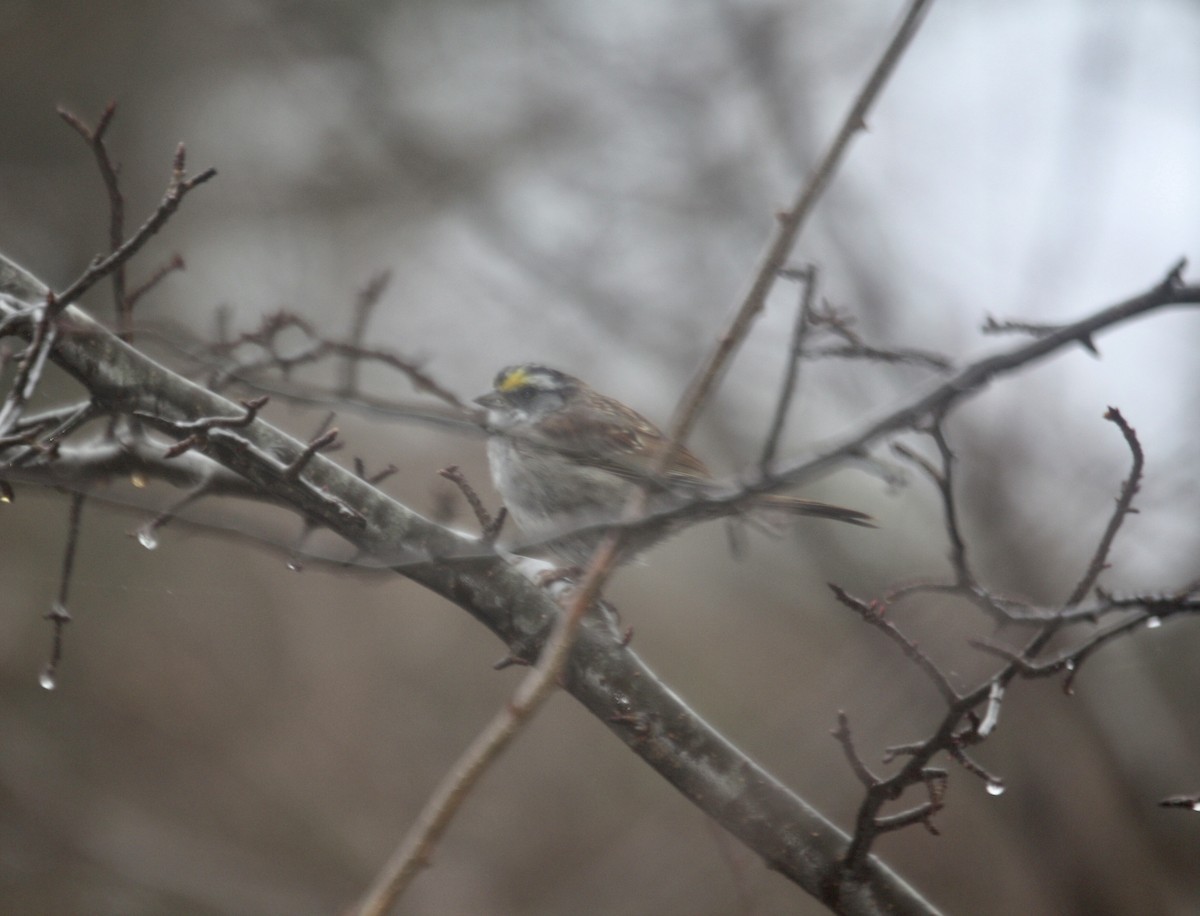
x=563 y=457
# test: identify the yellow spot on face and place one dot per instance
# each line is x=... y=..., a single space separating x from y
x=514 y=380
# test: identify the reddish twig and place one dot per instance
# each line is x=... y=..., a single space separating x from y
x=177 y=188
x=198 y=430
x=176 y=263
x=873 y=614
x=489 y=527
x=318 y=443
x=109 y=174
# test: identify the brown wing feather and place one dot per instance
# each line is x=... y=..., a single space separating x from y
x=811 y=507
x=605 y=434
x=608 y=435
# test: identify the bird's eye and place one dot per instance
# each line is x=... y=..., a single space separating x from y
x=523 y=395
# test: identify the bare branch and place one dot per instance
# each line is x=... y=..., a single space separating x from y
x=808 y=284
x=1122 y=509
x=320 y=443
x=364 y=305
x=176 y=263
x=789 y=226
x=489 y=527
x=177 y=189
x=29 y=366
x=58 y=613
x=874 y=615
x=846 y=740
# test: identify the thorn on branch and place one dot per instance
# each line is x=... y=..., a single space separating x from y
x=1174 y=277
x=992 y=326
x=510 y=661
x=322 y=442
x=382 y=475
x=1037 y=331
x=360 y=471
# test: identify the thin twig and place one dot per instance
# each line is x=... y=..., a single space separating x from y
x=945 y=482
x=873 y=615
x=177 y=189
x=846 y=740
x=58 y=614
x=489 y=527
x=364 y=304
x=323 y=442
x=789 y=226
x=992 y=326
x=198 y=430
x=1122 y=509
x=176 y=263
x=808 y=280
x=29 y=369
x=109 y=173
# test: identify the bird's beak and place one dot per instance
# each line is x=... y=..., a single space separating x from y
x=493 y=400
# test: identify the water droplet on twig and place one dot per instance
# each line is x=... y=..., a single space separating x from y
x=46 y=679
x=995 y=788
x=147 y=538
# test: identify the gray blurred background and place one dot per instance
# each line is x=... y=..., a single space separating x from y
x=590 y=185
